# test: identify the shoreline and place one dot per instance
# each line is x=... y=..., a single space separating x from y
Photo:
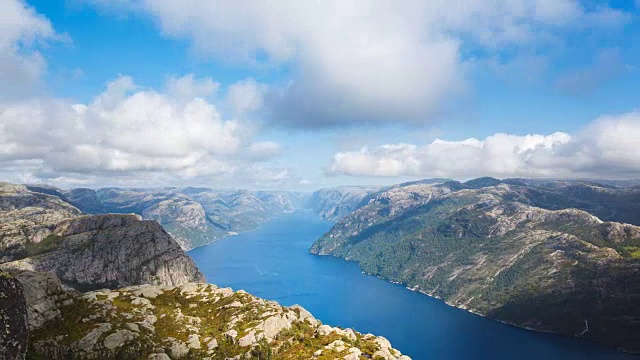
x=248 y=231
x=416 y=289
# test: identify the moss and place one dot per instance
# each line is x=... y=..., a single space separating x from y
x=632 y=251
x=69 y=325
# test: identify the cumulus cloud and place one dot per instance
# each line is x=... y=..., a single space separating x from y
x=21 y=64
x=188 y=86
x=604 y=148
x=245 y=96
x=127 y=130
x=367 y=60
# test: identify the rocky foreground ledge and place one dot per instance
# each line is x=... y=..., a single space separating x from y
x=196 y=321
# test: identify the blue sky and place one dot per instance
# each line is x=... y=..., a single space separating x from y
x=301 y=96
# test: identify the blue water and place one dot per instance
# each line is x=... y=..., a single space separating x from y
x=272 y=262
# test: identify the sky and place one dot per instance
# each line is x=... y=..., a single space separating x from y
x=300 y=95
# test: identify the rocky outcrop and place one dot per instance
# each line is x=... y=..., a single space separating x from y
x=14 y=331
x=195 y=321
x=486 y=248
x=26 y=219
x=42 y=233
x=42 y=292
x=112 y=251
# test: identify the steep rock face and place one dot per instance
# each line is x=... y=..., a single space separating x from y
x=42 y=233
x=112 y=251
x=486 y=249
x=334 y=203
x=13 y=317
x=26 y=219
x=194 y=321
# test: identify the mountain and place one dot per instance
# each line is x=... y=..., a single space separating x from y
x=193 y=216
x=334 y=203
x=43 y=233
x=118 y=287
x=513 y=252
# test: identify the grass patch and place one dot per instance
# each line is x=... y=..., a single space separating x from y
x=48 y=244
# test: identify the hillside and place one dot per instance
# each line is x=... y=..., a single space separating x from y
x=193 y=216
x=194 y=321
x=485 y=247
x=334 y=203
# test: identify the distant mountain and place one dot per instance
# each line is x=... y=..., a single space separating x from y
x=193 y=216
x=334 y=203
x=525 y=253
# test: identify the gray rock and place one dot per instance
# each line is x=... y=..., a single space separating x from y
x=273 y=325
x=212 y=344
x=40 y=291
x=248 y=339
x=14 y=329
x=231 y=335
x=193 y=341
x=118 y=339
x=159 y=356
x=178 y=349
x=305 y=315
x=89 y=341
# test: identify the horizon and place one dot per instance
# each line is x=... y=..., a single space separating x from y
x=601 y=181
x=147 y=94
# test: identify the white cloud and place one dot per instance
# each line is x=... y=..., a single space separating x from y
x=605 y=148
x=245 y=96
x=367 y=60
x=21 y=64
x=126 y=131
x=264 y=150
x=187 y=86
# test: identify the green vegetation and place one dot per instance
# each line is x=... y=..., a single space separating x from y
x=487 y=250
x=176 y=315
x=48 y=244
x=633 y=251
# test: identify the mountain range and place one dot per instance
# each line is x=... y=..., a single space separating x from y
x=553 y=256
x=550 y=255
x=193 y=216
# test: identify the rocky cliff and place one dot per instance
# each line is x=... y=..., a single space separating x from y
x=14 y=332
x=26 y=218
x=483 y=246
x=111 y=251
x=42 y=233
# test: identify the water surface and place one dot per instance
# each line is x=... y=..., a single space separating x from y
x=272 y=262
